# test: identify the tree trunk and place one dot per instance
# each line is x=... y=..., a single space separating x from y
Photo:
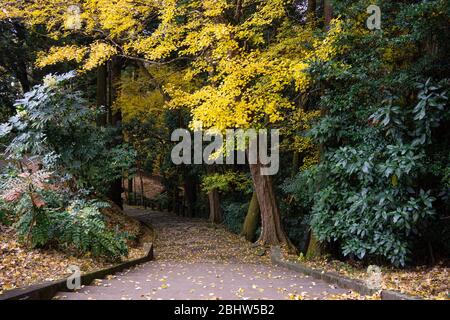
x=272 y=232
x=215 y=211
x=101 y=93
x=130 y=190
x=295 y=163
x=176 y=201
x=141 y=180
x=327 y=12
x=190 y=193
x=22 y=76
x=115 y=119
x=21 y=63
x=115 y=74
x=314 y=249
x=115 y=192
x=251 y=219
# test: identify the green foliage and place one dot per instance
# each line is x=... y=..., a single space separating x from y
x=225 y=182
x=381 y=179
x=5 y=216
x=234 y=215
x=235 y=188
x=57 y=154
x=79 y=228
x=46 y=215
x=296 y=225
x=52 y=118
x=6 y=98
x=16 y=55
x=34 y=227
x=162 y=200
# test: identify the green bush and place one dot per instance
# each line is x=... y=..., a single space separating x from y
x=384 y=137
x=5 y=218
x=47 y=218
x=57 y=157
x=234 y=215
x=54 y=121
x=162 y=200
x=295 y=214
x=368 y=197
x=82 y=226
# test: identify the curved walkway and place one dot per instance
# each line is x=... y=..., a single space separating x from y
x=197 y=260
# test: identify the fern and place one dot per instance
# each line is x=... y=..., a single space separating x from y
x=81 y=226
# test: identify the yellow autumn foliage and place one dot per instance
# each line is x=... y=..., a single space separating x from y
x=140 y=96
x=60 y=54
x=234 y=74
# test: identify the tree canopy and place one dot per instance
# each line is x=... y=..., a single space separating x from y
x=363 y=113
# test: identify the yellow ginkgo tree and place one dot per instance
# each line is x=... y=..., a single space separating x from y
x=244 y=60
x=249 y=62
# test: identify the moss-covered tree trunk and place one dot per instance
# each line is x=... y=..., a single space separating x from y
x=251 y=219
x=314 y=248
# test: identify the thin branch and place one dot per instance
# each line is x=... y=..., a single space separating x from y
x=159 y=63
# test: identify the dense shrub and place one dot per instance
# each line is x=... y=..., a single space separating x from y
x=384 y=132
x=82 y=226
x=56 y=158
x=234 y=215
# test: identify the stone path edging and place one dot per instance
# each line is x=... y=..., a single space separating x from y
x=47 y=290
x=334 y=278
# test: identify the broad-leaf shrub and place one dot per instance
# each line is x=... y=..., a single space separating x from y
x=368 y=197
x=56 y=158
x=381 y=181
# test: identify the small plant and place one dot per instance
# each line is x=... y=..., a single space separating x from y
x=81 y=226
x=301 y=257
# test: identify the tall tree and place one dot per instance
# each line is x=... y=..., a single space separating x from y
x=241 y=59
x=249 y=83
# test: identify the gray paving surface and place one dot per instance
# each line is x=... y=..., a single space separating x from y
x=194 y=260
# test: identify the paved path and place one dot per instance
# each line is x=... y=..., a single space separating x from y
x=196 y=260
